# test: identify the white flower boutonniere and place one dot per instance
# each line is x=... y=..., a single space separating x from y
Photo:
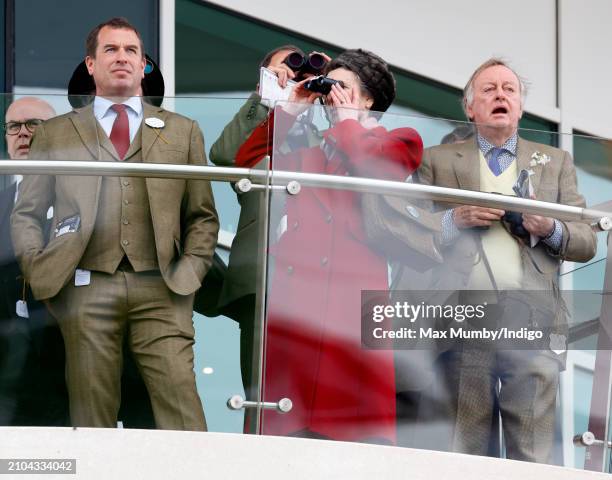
x=539 y=158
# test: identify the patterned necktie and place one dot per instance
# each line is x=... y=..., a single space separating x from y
x=120 y=133
x=494 y=161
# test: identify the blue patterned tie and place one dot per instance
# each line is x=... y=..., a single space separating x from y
x=494 y=161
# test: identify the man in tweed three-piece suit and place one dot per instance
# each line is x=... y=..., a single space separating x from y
x=125 y=255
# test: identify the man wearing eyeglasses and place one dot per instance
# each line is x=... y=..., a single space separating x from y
x=32 y=389
x=22 y=118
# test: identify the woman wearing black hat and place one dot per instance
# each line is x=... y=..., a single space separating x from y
x=322 y=262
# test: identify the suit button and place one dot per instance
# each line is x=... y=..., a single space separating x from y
x=125 y=221
x=329 y=219
x=324 y=261
x=289 y=269
x=295 y=225
x=126 y=202
x=125 y=242
x=126 y=183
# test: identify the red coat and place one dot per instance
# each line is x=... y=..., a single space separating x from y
x=320 y=264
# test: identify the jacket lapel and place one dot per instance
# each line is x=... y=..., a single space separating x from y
x=467 y=165
x=135 y=145
x=86 y=126
x=149 y=134
x=157 y=189
x=93 y=135
x=91 y=138
x=106 y=144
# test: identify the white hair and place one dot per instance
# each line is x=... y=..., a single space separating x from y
x=468 y=91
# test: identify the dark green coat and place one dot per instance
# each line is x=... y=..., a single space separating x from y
x=247 y=247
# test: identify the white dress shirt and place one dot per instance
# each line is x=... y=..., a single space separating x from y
x=17 y=180
x=106 y=115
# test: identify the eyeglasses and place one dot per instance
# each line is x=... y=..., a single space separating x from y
x=13 y=128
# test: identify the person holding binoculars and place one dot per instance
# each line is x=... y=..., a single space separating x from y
x=313 y=351
x=237 y=298
x=297 y=66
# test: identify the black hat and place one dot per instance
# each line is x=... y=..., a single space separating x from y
x=82 y=88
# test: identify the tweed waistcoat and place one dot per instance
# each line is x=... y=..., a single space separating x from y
x=123 y=222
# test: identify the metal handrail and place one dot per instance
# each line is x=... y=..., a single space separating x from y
x=151 y=170
x=282 y=178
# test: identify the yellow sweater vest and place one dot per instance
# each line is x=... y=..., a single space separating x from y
x=501 y=249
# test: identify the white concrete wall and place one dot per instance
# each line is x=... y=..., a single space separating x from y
x=446 y=39
x=154 y=454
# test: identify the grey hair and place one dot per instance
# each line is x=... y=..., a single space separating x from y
x=468 y=91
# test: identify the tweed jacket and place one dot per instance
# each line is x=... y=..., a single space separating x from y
x=183 y=213
x=400 y=222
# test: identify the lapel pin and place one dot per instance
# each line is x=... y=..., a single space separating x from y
x=157 y=124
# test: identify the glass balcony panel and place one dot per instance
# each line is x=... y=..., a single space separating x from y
x=348 y=262
x=590 y=334
x=216 y=351
x=336 y=250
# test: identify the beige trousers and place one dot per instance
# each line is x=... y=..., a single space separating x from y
x=94 y=320
x=527 y=399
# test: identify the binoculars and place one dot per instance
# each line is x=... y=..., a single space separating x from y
x=301 y=65
x=514 y=220
x=321 y=84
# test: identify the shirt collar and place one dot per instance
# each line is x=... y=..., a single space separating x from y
x=102 y=106
x=509 y=145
